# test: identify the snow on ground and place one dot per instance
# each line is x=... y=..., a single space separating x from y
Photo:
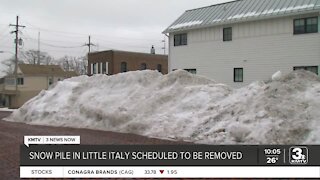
x=7 y=109
x=183 y=106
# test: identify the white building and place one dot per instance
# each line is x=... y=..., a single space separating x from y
x=246 y=40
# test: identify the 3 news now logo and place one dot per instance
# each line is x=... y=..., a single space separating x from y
x=298 y=155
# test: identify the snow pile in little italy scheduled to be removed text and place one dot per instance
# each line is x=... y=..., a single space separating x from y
x=182 y=106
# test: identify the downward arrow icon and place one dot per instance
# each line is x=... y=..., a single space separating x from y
x=161 y=171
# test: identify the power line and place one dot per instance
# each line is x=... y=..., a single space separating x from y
x=73 y=33
x=51 y=45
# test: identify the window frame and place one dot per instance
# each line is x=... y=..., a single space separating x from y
x=159 y=68
x=235 y=79
x=225 y=35
x=20 y=81
x=305 y=25
x=50 y=81
x=104 y=68
x=180 y=39
x=94 y=68
x=123 y=67
x=143 y=66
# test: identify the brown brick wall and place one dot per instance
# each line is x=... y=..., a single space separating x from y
x=133 y=60
x=98 y=57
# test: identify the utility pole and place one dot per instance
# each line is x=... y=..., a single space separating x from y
x=89 y=44
x=17 y=26
x=39 y=48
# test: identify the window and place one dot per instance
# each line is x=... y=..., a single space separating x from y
x=227 y=34
x=305 y=25
x=123 y=67
x=20 y=81
x=99 y=67
x=159 y=67
x=50 y=81
x=313 y=69
x=192 y=71
x=143 y=66
x=180 y=39
x=104 y=68
x=238 y=75
x=94 y=68
x=9 y=81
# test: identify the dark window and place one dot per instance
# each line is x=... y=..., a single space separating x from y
x=123 y=67
x=104 y=69
x=94 y=68
x=143 y=66
x=227 y=34
x=159 y=67
x=20 y=81
x=50 y=81
x=305 y=25
x=312 y=25
x=180 y=39
x=238 y=75
x=99 y=68
x=192 y=71
x=313 y=69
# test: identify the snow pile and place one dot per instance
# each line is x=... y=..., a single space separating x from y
x=183 y=106
x=276 y=76
x=7 y=109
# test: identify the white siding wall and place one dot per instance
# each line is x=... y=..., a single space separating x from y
x=260 y=47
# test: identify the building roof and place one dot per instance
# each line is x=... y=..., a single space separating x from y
x=122 y=51
x=71 y=73
x=240 y=11
x=32 y=69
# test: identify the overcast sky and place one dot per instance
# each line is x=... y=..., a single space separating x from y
x=64 y=25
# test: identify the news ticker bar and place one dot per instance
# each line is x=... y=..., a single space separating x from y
x=168 y=155
x=169 y=172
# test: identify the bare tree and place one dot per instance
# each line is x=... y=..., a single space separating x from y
x=31 y=57
x=9 y=65
x=70 y=63
x=84 y=65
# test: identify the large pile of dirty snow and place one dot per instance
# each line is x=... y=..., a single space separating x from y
x=183 y=106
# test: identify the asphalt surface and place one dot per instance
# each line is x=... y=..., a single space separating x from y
x=11 y=137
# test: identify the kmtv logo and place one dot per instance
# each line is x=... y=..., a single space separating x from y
x=298 y=155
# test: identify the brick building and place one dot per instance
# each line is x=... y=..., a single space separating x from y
x=114 y=61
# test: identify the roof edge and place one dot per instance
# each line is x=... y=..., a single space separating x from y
x=240 y=21
x=213 y=5
x=113 y=51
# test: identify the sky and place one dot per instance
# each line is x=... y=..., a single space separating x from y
x=64 y=25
